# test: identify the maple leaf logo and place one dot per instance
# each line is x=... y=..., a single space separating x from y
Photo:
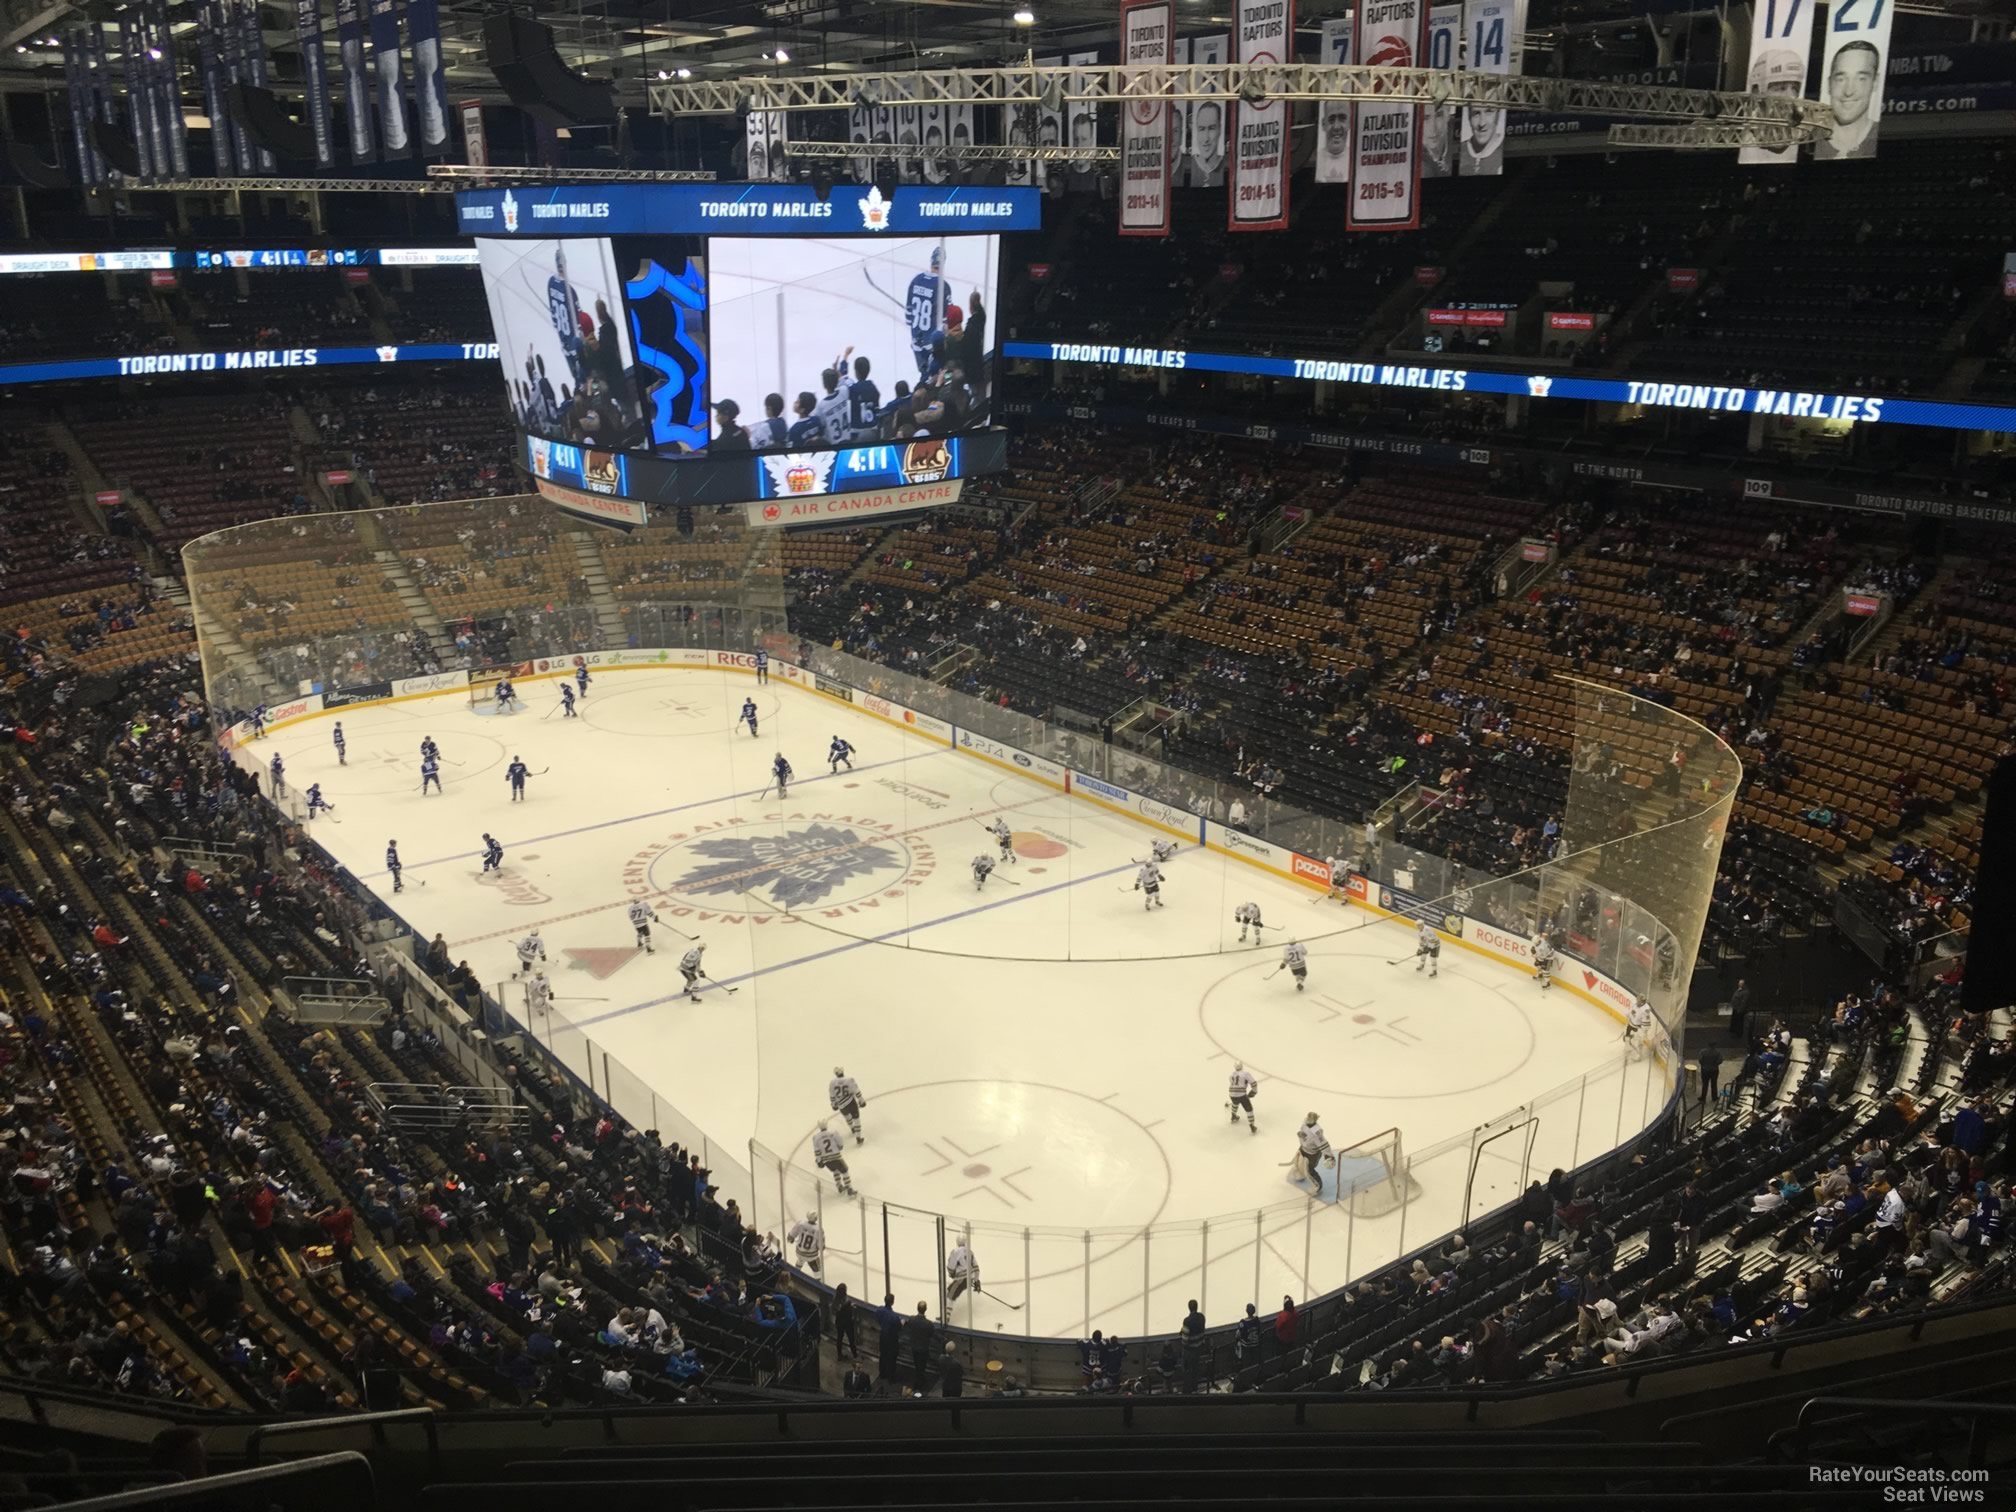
x=793 y=870
x=510 y=212
x=388 y=354
x=1539 y=387
x=874 y=209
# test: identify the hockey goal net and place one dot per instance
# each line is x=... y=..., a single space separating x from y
x=1372 y=1176
x=483 y=684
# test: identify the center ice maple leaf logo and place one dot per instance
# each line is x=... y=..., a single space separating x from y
x=794 y=869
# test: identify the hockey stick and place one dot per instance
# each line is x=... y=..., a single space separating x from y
x=731 y=991
x=1011 y=1306
x=577 y=998
x=1275 y=972
x=1009 y=880
x=766 y=791
x=865 y=273
x=552 y=711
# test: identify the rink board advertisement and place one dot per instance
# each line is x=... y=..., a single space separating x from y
x=1015 y=761
x=1163 y=816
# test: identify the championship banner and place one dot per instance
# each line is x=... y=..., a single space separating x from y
x=1491 y=33
x=254 y=73
x=1333 y=117
x=1386 y=138
x=1146 y=36
x=1203 y=165
x=430 y=75
x=1781 y=46
x=1439 y=123
x=234 y=59
x=390 y=69
x=77 y=92
x=475 y=141
x=356 y=81
x=1081 y=178
x=210 y=57
x=168 y=90
x=1851 y=74
x=1049 y=127
x=1257 y=188
x=138 y=110
x=315 y=80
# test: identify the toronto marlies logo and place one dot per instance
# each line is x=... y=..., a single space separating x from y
x=793 y=870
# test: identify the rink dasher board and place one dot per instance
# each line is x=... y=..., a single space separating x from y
x=1598 y=989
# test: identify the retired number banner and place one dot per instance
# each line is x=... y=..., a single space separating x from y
x=1386 y=137
x=1257 y=188
x=1781 y=45
x=1439 y=122
x=1491 y=37
x=1146 y=36
x=1851 y=76
x=1333 y=117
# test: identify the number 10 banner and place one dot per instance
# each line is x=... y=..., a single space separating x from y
x=1258 y=187
x=1386 y=137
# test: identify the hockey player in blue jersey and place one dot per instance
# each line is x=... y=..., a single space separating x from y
x=563 y=307
x=839 y=753
x=316 y=802
x=493 y=855
x=581 y=677
x=780 y=773
x=430 y=771
x=749 y=715
x=516 y=773
x=864 y=404
x=342 y=758
x=762 y=666
x=924 y=309
x=394 y=865
x=807 y=429
x=279 y=776
x=566 y=703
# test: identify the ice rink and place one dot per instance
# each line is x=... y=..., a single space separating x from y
x=1045 y=1061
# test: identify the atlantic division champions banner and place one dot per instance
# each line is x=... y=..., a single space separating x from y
x=1386 y=135
x=1333 y=117
x=1257 y=189
x=1851 y=76
x=1146 y=36
x=1781 y=45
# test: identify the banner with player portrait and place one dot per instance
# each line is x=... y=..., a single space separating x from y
x=1049 y=133
x=762 y=139
x=908 y=125
x=1857 y=51
x=1781 y=47
x=1146 y=36
x=1492 y=30
x=388 y=67
x=1019 y=130
x=1081 y=178
x=1439 y=123
x=1257 y=188
x=1386 y=135
x=859 y=124
x=1333 y=117
x=958 y=133
x=932 y=140
x=1203 y=164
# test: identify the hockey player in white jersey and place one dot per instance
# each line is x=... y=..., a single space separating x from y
x=983 y=868
x=529 y=949
x=826 y=1154
x=1428 y=948
x=1543 y=961
x=1004 y=838
x=691 y=969
x=1638 y=1028
x=1312 y=1146
x=1339 y=874
x=962 y=1269
x=808 y=1243
x=1295 y=956
x=1241 y=1086
x=1160 y=851
x=642 y=917
x=843 y=1096
x=1247 y=916
x=1148 y=882
x=538 y=994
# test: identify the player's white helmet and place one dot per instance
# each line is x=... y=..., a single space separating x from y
x=822 y=1125
x=1238 y=1065
x=937 y=258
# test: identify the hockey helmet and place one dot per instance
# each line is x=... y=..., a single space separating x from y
x=838 y=1072
x=1310 y=1119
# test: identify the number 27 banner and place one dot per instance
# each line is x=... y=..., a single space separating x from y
x=1386 y=135
x=1257 y=190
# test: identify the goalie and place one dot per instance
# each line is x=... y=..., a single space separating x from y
x=1312 y=1148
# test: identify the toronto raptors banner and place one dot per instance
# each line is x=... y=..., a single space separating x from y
x=1491 y=33
x=1851 y=76
x=1439 y=122
x=76 y=91
x=1146 y=28
x=1386 y=136
x=1203 y=165
x=1257 y=188
x=1781 y=46
x=1333 y=117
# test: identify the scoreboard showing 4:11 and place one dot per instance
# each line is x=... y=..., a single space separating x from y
x=856 y=469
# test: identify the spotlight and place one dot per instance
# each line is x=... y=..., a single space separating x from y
x=1024 y=16
x=682 y=73
x=664 y=74
x=782 y=56
x=154 y=53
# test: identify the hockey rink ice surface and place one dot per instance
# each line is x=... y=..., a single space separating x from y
x=1044 y=1062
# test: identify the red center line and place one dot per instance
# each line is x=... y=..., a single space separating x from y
x=837 y=850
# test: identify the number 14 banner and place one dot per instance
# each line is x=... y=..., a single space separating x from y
x=1386 y=136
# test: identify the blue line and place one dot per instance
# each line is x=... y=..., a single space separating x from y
x=967 y=913
x=654 y=814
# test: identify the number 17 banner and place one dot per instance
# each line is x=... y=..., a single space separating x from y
x=1386 y=136
x=1781 y=44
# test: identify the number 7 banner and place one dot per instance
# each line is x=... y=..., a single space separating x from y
x=1781 y=44
x=1858 y=43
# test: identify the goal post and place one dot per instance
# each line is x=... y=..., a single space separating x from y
x=1372 y=1176
x=483 y=683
